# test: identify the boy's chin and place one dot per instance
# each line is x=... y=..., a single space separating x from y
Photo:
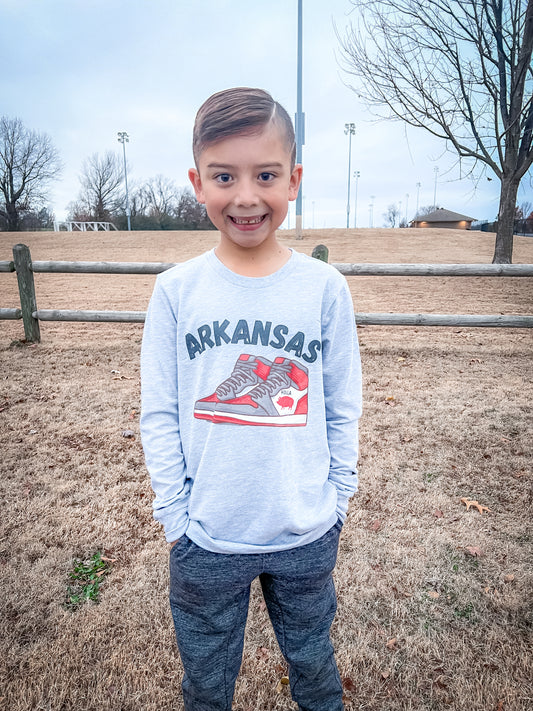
x=248 y=240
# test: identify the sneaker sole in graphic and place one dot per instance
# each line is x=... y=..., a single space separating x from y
x=258 y=421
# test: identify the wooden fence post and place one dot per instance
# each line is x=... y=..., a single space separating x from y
x=321 y=252
x=28 y=301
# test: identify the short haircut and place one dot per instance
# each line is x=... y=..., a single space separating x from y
x=240 y=111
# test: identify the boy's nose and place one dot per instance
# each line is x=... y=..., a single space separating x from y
x=246 y=194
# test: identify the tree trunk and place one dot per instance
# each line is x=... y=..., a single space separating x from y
x=12 y=218
x=503 y=249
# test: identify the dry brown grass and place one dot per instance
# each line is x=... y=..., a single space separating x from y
x=422 y=623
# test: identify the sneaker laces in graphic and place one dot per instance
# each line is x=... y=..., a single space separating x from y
x=278 y=379
x=281 y=400
x=244 y=374
x=248 y=372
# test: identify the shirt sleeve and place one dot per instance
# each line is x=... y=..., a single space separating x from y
x=343 y=395
x=160 y=431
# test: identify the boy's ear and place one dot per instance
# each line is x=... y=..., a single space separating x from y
x=194 y=177
x=294 y=182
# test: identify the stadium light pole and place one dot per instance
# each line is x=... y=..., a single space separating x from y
x=349 y=129
x=299 y=122
x=356 y=175
x=124 y=138
x=436 y=169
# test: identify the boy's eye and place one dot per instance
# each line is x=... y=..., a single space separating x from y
x=265 y=177
x=223 y=178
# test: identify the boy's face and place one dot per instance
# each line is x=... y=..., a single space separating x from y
x=246 y=182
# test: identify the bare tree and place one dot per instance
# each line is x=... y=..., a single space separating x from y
x=392 y=214
x=160 y=197
x=101 y=195
x=190 y=213
x=28 y=162
x=158 y=204
x=526 y=208
x=426 y=210
x=524 y=218
x=461 y=69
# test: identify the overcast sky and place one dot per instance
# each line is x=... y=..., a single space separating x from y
x=82 y=70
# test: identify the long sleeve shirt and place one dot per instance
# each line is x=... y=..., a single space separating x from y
x=251 y=395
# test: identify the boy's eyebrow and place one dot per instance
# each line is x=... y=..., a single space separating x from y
x=262 y=166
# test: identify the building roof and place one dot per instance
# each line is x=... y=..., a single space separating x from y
x=442 y=215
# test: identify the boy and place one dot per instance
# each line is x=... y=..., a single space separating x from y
x=251 y=393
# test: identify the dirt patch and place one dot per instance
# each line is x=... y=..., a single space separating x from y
x=434 y=599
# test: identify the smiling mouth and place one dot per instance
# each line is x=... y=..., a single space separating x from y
x=248 y=220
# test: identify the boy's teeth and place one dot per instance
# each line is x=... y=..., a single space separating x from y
x=247 y=221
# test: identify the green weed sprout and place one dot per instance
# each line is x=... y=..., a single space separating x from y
x=87 y=576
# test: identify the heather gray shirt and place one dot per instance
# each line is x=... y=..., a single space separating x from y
x=251 y=394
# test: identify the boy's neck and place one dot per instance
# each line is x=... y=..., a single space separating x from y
x=251 y=262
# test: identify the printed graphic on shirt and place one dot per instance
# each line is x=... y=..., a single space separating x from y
x=260 y=393
x=216 y=334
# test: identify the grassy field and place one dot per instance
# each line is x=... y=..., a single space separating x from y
x=435 y=604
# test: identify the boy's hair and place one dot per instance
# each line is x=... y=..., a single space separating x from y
x=240 y=111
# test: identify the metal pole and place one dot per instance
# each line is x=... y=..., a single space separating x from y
x=124 y=138
x=436 y=169
x=356 y=175
x=300 y=119
x=417 y=197
x=349 y=128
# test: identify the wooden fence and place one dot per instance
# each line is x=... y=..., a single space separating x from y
x=23 y=265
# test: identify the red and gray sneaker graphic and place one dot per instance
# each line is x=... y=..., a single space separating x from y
x=248 y=372
x=279 y=401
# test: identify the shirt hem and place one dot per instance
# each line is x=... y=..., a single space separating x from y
x=198 y=536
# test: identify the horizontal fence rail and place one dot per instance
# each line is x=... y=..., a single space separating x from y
x=363 y=319
x=31 y=315
x=459 y=320
x=12 y=314
x=101 y=267
x=86 y=316
x=440 y=270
